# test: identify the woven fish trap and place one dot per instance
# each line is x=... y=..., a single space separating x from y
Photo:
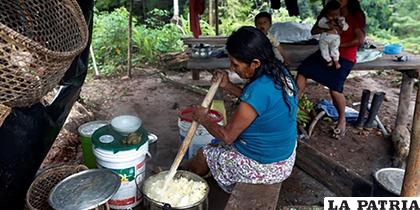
x=39 y=39
x=38 y=192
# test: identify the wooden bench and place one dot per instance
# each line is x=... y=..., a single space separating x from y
x=254 y=196
x=333 y=175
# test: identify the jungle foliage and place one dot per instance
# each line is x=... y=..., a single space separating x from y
x=388 y=21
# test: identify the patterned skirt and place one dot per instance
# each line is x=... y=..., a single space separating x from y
x=228 y=167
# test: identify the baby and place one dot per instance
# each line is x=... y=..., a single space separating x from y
x=329 y=42
x=263 y=22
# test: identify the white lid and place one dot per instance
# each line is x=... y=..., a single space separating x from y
x=106 y=139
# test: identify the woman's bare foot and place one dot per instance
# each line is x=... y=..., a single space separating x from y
x=339 y=131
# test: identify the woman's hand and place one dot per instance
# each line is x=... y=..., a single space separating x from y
x=226 y=84
x=200 y=114
x=331 y=24
x=225 y=78
x=338 y=29
x=285 y=61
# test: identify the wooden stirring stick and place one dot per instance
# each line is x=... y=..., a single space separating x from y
x=186 y=143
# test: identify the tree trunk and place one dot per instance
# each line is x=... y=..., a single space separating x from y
x=130 y=23
x=175 y=18
x=216 y=11
x=212 y=16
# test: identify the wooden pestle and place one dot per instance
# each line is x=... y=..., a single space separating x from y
x=186 y=143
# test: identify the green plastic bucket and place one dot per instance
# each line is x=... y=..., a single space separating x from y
x=85 y=132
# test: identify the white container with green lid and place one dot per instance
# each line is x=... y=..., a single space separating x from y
x=127 y=160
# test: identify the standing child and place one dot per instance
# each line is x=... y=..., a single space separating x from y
x=329 y=42
x=263 y=22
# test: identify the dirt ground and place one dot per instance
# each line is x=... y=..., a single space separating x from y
x=363 y=151
x=157 y=104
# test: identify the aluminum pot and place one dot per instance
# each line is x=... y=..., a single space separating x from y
x=151 y=204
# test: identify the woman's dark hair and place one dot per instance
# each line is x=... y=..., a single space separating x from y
x=354 y=6
x=249 y=43
x=330 y=6
x=261 y=15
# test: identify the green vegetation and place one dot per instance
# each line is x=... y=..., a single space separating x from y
x=110 y=40
x=304 y=112
x=394 y=21
x=388 y=21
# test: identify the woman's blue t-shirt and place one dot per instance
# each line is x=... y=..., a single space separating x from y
x=271 y=137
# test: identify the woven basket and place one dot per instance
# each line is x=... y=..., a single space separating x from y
x=39 y=39
x=38 y=192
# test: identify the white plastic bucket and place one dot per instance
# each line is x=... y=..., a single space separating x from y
x=129 y=165
x=201 y=137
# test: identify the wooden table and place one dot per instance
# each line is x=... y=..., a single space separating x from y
x=297 y=53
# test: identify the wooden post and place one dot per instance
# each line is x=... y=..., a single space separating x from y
x=404 y=99
x=216 y=11
x=175 y=18
x=400 y=133
x=411 y=184
x=92 y=55
x=130 y=24
x=211 y=13
x=196 y=74
x=176 y=9
x=143 y=4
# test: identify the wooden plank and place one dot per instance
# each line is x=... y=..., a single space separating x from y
x=208 y=63
x=218 y=41
x=333 y=175
x=254 y=196
x=297 y=53
x=384 y=63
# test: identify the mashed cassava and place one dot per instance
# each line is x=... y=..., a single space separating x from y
x=179 y=192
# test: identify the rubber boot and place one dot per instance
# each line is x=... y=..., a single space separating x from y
x=363 y=109
x=374 y=109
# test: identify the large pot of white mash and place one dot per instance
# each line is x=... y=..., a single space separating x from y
x=186 y=191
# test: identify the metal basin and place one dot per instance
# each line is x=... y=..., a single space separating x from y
x=152 y=204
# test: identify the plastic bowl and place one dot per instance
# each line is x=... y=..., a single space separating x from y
x=126 y=124
x=392 y=49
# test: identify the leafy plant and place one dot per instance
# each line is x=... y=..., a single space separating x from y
x=305 y=108
x=109 y=39
x=157 y=18
x=149 y=43
x=110 y=34
x=109 y=5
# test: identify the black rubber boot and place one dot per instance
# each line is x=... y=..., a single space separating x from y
x=363 y=109
x=374 y=109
